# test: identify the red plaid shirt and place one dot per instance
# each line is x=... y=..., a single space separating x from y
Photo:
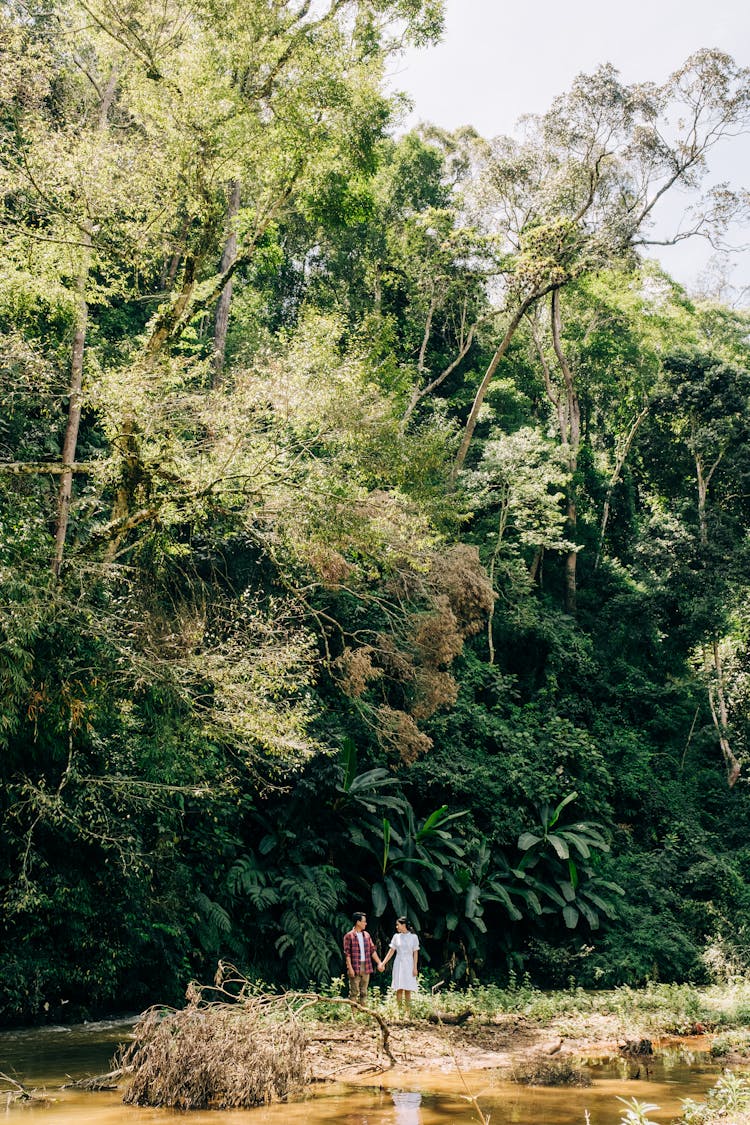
x=351 y=950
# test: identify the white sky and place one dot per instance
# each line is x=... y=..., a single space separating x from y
x=500 y=59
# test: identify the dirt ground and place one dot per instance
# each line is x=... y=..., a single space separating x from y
x=353 y=1050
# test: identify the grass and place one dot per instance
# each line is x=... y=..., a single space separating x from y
x=659 y=1009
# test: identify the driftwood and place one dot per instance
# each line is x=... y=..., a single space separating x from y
x=638 y=1052
x=96 y=1081
x=313 y=999
x=18 y=1092
x=636 y=1048
x=545 y=1072
x=214 y=1056
x=450 y=1018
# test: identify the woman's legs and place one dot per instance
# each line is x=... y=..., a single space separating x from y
x=403 y=998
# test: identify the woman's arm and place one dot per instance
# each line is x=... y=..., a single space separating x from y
x=374 y=953
x=388 y=956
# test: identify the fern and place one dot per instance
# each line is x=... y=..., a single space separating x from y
x=247 y=879
x=308 y=932
x=214 y=924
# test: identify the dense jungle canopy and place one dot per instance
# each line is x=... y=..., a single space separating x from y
x=373 y=514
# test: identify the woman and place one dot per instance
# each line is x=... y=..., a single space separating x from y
x=405 y=947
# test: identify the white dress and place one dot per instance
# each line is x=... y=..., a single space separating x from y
x=403 y=962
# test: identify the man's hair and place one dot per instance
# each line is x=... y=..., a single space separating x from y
x=358 y=915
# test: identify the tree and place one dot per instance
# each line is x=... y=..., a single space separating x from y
x=579 y=193
x=706 y=401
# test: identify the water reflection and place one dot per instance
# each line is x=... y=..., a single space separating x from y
x=407 y=1103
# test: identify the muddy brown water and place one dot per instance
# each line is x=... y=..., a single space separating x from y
x=45 y=1058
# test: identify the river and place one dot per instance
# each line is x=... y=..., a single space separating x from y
x=45 y=1058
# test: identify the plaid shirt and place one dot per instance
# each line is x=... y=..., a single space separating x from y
x=351 y=950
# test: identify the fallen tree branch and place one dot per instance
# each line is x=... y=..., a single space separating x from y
x=314 y=998
x=96 y=1081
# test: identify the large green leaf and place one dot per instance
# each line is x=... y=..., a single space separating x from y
x=590 y=915
x=533 y=900
x=416 y=890
x=386 y=843
x=349 y=762
x=472 y=900
x=501 y=894
x=571 y=916
x=568 y=891
x=556 y=814
x=379 y=899
x=395 y=895
x=560 y=846
x=606 y=908
x=578 y=843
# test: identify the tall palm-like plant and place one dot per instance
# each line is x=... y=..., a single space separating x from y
x=558 y=864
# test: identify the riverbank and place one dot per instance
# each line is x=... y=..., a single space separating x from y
x=514 y=1045
x=512 y=1029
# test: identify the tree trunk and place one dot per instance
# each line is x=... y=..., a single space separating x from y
x=702 y=482
x=70 y=440
x=222 y=309
x=571 y=439
x=571 y=563
x=74 y=412
x=619 y=465
x=471 y=421
x=718 y=704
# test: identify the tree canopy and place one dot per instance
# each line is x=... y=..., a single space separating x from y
x=373 y=515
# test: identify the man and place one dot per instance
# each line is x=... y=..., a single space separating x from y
x=359 y=954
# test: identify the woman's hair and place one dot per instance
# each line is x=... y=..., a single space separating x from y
x=405 y=922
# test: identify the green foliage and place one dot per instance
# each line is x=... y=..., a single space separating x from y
x=288 y=666
x=562 y=866
x=730 y=1095
x=636 y=1112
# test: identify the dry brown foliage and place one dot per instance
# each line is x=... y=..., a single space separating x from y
x=434 y=689
x=330 y=566
x=454 y=595
x=461 y=576
x=541 y=1072
x=354 y=669
x=396 y=663
x=399 y=731
x=215 y=1056
x=437 y=637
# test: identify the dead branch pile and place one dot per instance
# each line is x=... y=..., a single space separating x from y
x=215 y=1056
x=230 y=1048
x=17 y=1092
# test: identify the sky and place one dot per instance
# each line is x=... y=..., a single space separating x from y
x=499 y=59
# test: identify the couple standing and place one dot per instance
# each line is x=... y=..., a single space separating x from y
x=360 y=954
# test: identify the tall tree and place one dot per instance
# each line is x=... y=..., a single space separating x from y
x=579 y=193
